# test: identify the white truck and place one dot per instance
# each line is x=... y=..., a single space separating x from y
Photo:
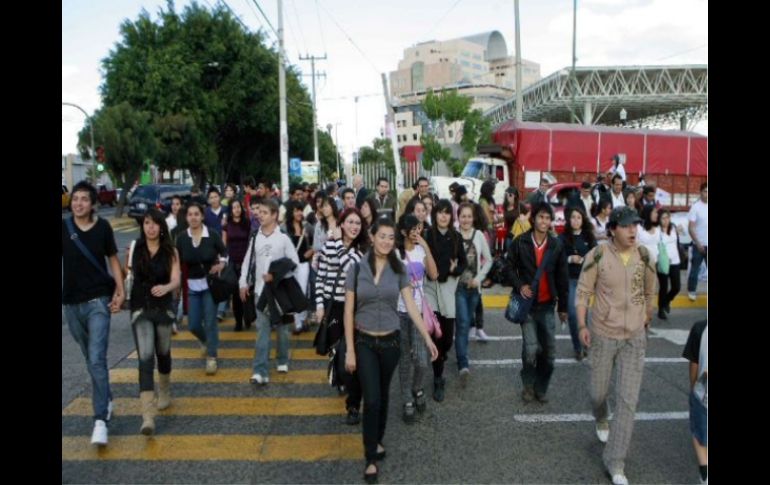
x=476 y=172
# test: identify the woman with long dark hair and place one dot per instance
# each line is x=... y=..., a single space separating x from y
x=155 y=266
x=301 y=235
x=368 y=210
x=204 y=253
x=446 y=246
x=346 y=246
x=372 y=333
x=578 y=238
x=511 y=211
x=235 y=235
x=669 y=237
x=415 y=253
x=600 y=221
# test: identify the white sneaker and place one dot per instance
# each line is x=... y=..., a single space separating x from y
x=472 y=334
x=211 y=366
x=283 y=368
x=619 y=479
x=109 y=410
x=603 y=431
x=483 y=337
x=692 y=296
x=258 y=379
x=99 y=435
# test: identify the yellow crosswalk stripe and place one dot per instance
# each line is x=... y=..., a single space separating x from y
x=223 y=406
x=244 y=336
x=258 y=448
x=240 y=375
x=195 y=353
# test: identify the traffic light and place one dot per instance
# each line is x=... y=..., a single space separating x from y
x=100 y=154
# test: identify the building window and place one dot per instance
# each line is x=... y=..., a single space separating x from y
x=414 y=136
x=449 y=134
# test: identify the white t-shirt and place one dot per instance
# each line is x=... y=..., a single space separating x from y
x=171 y=222
x=671 y=248
x=415 y=269
x=617 y=200
x=650 y=241
x=699 y=214
x=620 y=170
x=600 y=229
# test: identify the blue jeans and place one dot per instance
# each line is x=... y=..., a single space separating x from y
x=538 y=350
x=262 y=349
x=572 y=316
x=466 y=301
x=697 y=259
x=202 y=315
x=89 y=324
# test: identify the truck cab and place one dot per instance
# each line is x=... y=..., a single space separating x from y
x=476 y=172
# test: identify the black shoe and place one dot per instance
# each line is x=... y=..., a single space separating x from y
x=248 y=326
x=541 y=397
x=380 y=454
x=371 y=477
x=354 y=417
x=662 y=315
x=667 y=308
x=579 y=355
x=409 y=413
x=419 y=401
x=238 y=328
x=438 y=389
x=528 y=394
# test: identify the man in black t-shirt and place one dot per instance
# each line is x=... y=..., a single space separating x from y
x=696 y=351
x=90 y=294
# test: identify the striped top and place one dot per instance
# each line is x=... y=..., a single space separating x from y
x=332 y=268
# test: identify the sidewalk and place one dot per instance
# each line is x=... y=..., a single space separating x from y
x=121 y=222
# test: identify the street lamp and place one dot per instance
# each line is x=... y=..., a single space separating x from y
x=623 y=116
x=90 y=124
x=336 y=147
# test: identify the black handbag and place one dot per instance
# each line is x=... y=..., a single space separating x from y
x=222 y=285
x=321 y=340
x=519 y=307
x=684 y=256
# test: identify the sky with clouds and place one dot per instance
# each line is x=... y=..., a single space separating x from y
x=609 y=32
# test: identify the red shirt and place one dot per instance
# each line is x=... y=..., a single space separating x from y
x=543 y=291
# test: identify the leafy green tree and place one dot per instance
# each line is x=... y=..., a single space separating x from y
x=211 y=89
x=128 y=139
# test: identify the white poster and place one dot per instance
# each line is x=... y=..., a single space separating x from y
x=531 y=180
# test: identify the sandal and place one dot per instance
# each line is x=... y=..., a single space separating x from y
x=371 y=477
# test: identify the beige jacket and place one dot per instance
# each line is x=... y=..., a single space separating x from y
x=623 y=294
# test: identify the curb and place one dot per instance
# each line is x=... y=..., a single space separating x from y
x=122 y=223
x=681 y=301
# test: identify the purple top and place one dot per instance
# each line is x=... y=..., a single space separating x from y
x=237 y=241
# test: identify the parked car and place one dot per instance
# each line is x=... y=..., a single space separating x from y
x=155 y=195
x=65 y=198
x=106 y=196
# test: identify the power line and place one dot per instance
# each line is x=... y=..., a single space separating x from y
x=369 y=95
x=442 y=19
x=320 y=25
x=299 y=28
x=266 y=19
x=261 y=25
x=223 y=2
x=683 y=52
x=349 y=38
x=291 y=33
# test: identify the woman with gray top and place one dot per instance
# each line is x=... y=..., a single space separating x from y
x=373 y=346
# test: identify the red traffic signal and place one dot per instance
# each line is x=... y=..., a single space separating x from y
x=100 y=154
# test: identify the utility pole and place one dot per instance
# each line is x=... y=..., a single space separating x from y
x=312 y=60
x=284 y=127
x=358 y=165
x=391 y=128
x=519 y=96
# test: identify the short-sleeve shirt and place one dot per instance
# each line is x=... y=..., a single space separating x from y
x=377 y=304
x=415 y=269
x=696 y=351
x=82 y=281
x=699 y=214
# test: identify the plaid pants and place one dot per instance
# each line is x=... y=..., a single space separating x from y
x=629 y=357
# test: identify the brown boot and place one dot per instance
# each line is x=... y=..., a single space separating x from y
x=148 y=412
x=164 y=391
